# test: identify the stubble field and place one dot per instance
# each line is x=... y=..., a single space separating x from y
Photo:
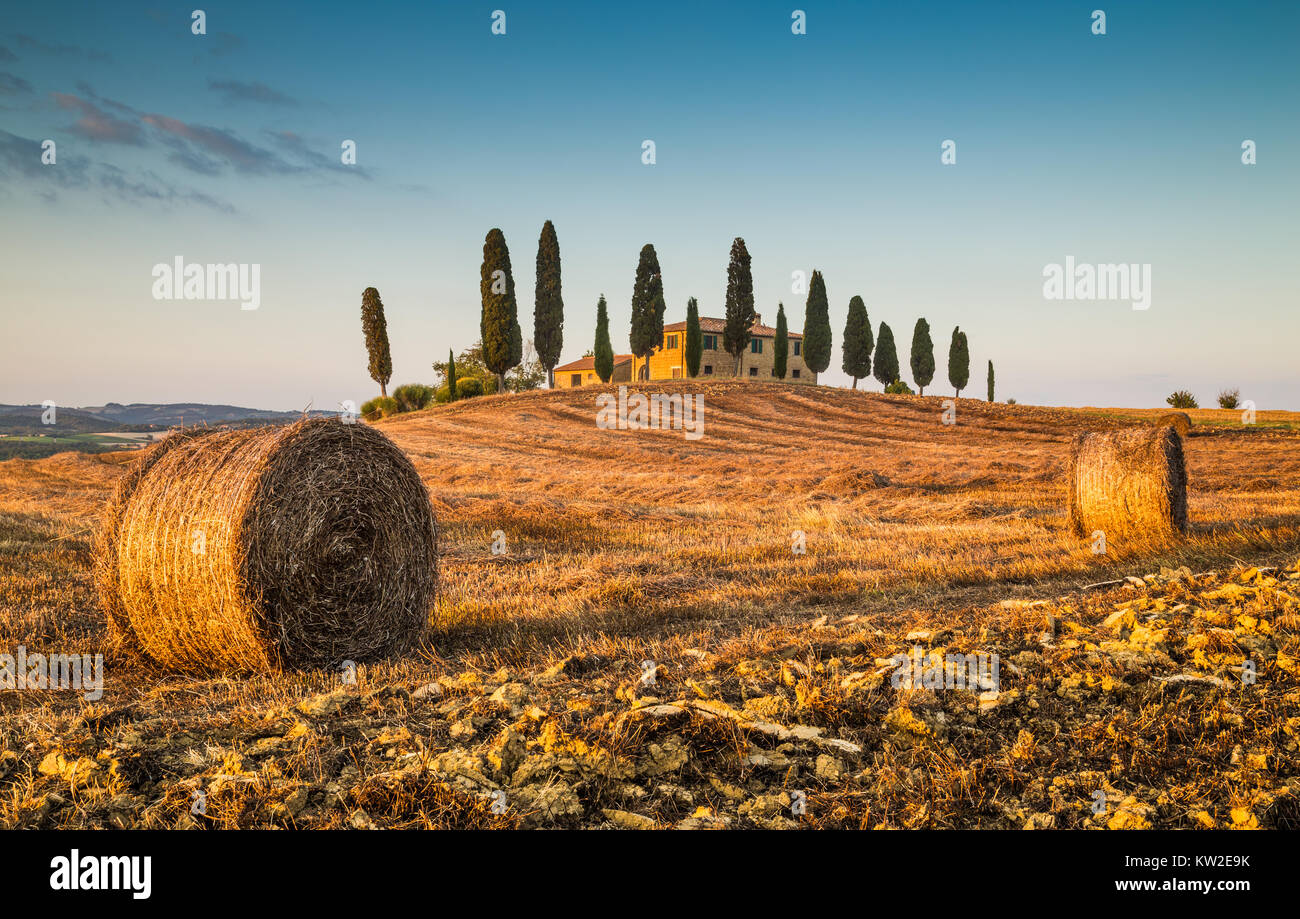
x=768 y=699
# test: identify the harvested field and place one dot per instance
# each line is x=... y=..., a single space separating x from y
x=624 y=547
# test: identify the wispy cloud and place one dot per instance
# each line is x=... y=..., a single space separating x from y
x=6 y=55
x=237 y=91
x=96 y=124
x=311 y=156
x=196 y=144
x=11 y=85
x=20 y=160
x=149 y=188
x=35 y=44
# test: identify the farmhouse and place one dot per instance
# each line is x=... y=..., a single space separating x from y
x=582 y=372
x=668 y=362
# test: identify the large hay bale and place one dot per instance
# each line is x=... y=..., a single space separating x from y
x=1180 y=421
x=1131 y=482
x=299 y=545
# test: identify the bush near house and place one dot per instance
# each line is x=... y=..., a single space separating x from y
x=411 y=397
x=379 y=407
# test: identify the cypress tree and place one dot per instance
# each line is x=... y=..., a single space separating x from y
x=817 y=326
x=451 y=376
x=781 y=346
x=604 y=351
x=740 y=303
x=857 y=342
x=990 y=381
x=958 y=361
x=647 y=306
x=922 y=355
x=375 y=328
x=548 y=309
x=886 y=356
x=694 y=338
x=499 y=325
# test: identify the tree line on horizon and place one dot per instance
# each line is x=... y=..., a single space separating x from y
x=501 y=349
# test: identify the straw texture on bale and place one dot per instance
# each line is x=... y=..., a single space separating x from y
x=1129 y=483
x=288 y=546
x=1180 y=421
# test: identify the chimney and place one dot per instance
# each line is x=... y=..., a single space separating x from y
x=758 y=319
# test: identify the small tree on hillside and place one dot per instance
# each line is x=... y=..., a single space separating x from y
x=740 y=303
x=857 y=342
x=451 y=376
x=886 y=356
x=694 y=338
x=375 y=328
x=817 y=326
x=922 y=355
x=990 y=381
x=781 y=344
x=647 y=306
x=603 y=351
x=499 y=325
x=958 y=361
x=548 y=310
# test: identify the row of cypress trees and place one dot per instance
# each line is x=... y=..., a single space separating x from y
x=503 y=341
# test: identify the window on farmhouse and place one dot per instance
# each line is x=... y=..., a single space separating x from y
x=756 y=345
x=796 y=348
x=670 y=342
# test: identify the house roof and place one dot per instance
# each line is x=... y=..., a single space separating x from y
x=711 y=325
x=589 y=363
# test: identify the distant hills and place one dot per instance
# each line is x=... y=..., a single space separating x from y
x=26 y=419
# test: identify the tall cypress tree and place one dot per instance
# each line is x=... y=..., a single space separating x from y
x=886 y=356
x=375 y=328
x=781 y=346
x=694 y=338
x=451 y=376
x=603 y=351
x=958 y=361
x=499 y=325
x=548 y=309
x=817 y=326
x=990 y=381
x=647 y=306
x=740 y=303
x=857 y=342
x=922 y=355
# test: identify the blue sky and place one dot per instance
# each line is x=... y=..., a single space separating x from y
x=821 y=150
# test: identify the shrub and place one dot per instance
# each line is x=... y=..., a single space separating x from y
x=473 y=386
x=465 y=387
x=411 y=397
x=1182 y=399
x=379 y=407
x=899 y=388
x=1230 y=398
x=1011 y=402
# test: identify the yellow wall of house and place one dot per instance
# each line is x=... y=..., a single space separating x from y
x=564 y=378
x=670 y=362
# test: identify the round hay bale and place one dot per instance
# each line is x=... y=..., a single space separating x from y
x=1180 y=421
x=1131 y=482
x=299 y=545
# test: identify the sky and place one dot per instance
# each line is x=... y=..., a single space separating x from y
x=821 y=150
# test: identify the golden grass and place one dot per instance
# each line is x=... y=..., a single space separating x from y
x=626 y=546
